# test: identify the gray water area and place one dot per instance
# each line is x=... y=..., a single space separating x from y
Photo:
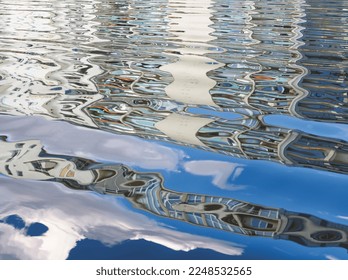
x=173 y=129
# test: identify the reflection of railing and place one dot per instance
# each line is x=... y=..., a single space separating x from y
x=28 y=160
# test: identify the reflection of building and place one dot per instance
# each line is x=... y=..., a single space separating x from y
x=260 y=71
x=51 y=106
x=248 y=138
x=136 y=58
x=28 y=160
x=325 y=56
x=247 y=61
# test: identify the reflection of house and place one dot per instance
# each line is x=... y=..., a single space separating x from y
x=28 y=160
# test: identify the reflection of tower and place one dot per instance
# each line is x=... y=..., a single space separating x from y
x=276 y=84
x=258 y=70
x=28 y=160
x=133 y=51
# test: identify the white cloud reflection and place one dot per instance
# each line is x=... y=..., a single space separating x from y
x=74 y=215
x=221 y=171
x=91 y=143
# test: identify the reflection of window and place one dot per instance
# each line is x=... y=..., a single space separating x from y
x=8 y=169
x=260 y=224
x=19 y=145
x=269 y=213
x=134 y=183
x=257 y=223
x=212 y=207
x=327 y=235
x=43 y=165
x=230 y=220
x=295 y=225
x=105 y=174
x=48 y=165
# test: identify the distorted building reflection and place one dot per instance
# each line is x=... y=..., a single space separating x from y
x=28 y=160
x=248 y=137
x=244 y=62
x=324 y=54
x=137 y=74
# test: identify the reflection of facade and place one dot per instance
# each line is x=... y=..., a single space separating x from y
x=51 y=106
x=28 y=160
x=248 y=138
x=245 y=61
x=259 y=75
x=261 y=42
x=325 y=56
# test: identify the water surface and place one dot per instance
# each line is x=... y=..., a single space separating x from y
x=207 y=129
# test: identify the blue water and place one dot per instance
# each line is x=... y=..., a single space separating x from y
x=173 y=129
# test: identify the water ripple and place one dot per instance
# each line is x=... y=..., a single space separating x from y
x=115 y=66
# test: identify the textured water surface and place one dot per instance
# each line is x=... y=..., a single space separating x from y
x=205 y=129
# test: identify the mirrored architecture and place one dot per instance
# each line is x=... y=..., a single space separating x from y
x=246 y=62
x=249 y=138
x=230 y=83
x=118 y=80
x=28 y=160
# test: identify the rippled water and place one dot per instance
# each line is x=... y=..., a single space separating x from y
x=198 y=129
